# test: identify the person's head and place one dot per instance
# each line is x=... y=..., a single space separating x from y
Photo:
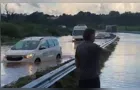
x=89 y=35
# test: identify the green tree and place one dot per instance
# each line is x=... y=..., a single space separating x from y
x=9 y=29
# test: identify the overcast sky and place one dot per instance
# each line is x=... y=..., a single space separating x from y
x=71 y=8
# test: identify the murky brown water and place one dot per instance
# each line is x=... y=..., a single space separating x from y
x=122 y=70
x=13 y=71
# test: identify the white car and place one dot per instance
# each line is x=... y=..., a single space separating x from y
x=78 y=31
x=102 y=35
x=34 y=49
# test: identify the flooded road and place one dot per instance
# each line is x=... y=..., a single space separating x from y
x=122 y=70
x=13 y=71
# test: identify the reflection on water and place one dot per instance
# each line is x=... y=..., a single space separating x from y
x=122 y=68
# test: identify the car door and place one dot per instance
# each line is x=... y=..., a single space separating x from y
x=44 y=52
x=51 y=49
x=56 y=47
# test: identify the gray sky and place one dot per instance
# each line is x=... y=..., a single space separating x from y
x=71 y=8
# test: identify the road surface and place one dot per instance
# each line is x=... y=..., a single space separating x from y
x=122 y=70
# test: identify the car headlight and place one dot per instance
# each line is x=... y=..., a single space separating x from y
x=4 y=56
x=73 y=40
x=29 y=56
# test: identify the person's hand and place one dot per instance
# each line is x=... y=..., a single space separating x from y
x=106 y=51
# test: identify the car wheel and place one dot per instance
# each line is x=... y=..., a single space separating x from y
x=37 y=61
x=58 y=58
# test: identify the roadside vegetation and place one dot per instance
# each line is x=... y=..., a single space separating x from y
x=12 y=32
x=128 y=28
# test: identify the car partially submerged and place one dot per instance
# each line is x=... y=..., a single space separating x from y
x=34 y=49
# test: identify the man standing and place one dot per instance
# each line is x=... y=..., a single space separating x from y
x=87 y=61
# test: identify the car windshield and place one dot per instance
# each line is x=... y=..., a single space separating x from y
x=78 y=32
x=26 y=45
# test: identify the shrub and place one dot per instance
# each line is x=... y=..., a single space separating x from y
x=9 y=29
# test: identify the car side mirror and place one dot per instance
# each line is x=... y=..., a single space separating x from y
x=42 y=47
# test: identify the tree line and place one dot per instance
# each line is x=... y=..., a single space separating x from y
x=38 y=23
x=114 y=17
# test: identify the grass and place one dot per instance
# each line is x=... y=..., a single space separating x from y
x=128 y=28
x=8 y=40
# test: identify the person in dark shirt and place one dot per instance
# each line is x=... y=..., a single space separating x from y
x=87 y=57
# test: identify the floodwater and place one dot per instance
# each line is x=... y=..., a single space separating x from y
x=13 y=71
x=122 y=70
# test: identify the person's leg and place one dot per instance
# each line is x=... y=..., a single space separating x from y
x=96 y=82
x=83 y=84
x=90 y=83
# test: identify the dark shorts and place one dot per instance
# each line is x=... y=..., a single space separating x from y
x=90 y=83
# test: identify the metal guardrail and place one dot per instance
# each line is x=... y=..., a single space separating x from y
x=50 y=78
x=109 y=42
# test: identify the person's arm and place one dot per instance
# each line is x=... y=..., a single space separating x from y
x=103 y=50
x=77 y=66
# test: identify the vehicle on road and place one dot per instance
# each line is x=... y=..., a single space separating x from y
x=78 y=31
x=103 y=35
x=111 y=28
x=34 y=49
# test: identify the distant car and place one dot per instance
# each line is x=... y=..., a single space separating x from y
x=102 y=35
x=78 y=31
x=107 y=35
x=34 y=49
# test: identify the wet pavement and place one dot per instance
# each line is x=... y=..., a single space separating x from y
x=13 y=71
x=122 y=70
